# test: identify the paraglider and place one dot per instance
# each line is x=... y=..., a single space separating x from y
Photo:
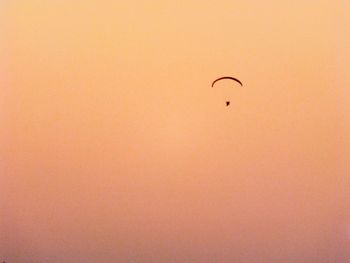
x=232 y=78
x=229 y=78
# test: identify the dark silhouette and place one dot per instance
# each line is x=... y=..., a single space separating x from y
x=231 y=78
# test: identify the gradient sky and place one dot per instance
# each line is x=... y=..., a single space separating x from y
x=114 y=147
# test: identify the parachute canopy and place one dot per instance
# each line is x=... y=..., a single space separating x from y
x=231 y=78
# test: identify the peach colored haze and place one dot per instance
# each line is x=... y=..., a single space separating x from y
x=115 y=148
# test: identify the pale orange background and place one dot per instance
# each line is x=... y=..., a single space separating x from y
x=114 y=147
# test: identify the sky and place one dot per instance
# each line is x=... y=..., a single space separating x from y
x=115 y=148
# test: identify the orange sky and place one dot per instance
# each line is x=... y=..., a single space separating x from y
x=114 y=147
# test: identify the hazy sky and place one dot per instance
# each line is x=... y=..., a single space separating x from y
x=115 y=148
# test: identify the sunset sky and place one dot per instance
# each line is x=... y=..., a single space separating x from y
x=114 y=147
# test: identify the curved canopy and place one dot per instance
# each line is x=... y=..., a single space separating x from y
x=231 y=78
